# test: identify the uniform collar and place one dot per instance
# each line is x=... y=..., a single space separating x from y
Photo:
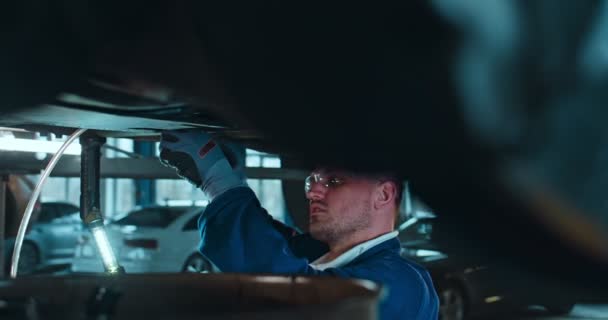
x=354 y=252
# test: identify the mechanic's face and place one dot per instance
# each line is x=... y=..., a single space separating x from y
x=340 y=204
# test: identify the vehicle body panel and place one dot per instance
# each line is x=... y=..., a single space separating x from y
x=55 y=233
x=174 y=246
x=490 y=286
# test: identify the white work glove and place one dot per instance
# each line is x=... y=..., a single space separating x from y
x=200 y=160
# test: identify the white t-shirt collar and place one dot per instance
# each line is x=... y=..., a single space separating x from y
x=353 y=252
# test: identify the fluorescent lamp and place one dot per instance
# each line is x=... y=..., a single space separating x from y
x=105 y=250
x=29 y=145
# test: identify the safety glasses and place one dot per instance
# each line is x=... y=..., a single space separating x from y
x=328 y=181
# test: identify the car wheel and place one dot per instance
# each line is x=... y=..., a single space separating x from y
x=29 y=259
x=452 y=303
x=560 y=309
x=197 y=264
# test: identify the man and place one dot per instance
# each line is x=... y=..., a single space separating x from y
x=353 y=214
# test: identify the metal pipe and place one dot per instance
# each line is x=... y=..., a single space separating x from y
x=90 y=177
x=90 y=199
x=30 y=206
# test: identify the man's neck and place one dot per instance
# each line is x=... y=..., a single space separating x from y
x=337 y=248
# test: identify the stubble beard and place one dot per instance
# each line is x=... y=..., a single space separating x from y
x=338 y=228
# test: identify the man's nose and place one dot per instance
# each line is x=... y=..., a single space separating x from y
x=316 y=192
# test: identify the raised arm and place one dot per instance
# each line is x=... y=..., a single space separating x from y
x=236 y=232
x=238 y=235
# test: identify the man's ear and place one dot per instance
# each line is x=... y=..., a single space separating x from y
x=385 y=194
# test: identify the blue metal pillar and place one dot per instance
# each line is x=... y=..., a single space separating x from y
x=145 y=189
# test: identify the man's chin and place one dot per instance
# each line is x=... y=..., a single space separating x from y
x=313 y=230
x=317 y=232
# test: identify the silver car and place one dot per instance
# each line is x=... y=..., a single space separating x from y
x=51 y=241
x=151 y=239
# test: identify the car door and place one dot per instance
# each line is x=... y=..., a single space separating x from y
x=472 y=271
x=61 y=232
x=181 y=240
x=68 y=226
x=66 y=230
x=41 y=231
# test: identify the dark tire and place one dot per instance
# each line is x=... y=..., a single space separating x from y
x=560 y=309
x=452 y=302
x=29 y=258
x=197 y=264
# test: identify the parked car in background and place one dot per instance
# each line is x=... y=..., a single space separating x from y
x=52 y=238
x=474 y=286
x=151 y=239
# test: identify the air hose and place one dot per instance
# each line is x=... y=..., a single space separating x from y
x=30 y=206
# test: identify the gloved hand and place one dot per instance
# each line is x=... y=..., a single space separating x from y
x=200 y=160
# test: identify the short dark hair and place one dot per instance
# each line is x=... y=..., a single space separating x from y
x=383 y=176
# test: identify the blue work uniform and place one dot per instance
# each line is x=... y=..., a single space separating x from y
x=238 y=235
